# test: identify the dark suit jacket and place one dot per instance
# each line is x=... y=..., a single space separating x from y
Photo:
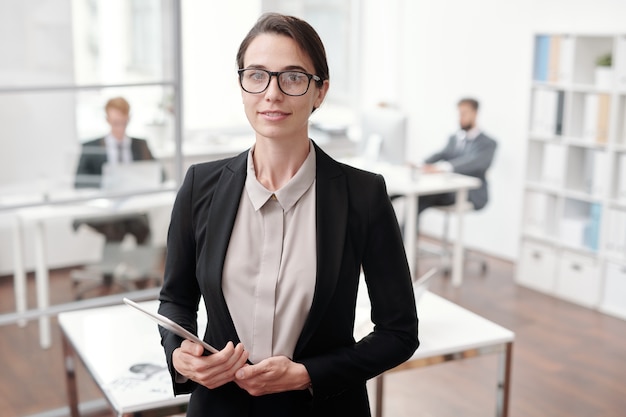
x=473 y=160
x=94 y=155
x=356 y=226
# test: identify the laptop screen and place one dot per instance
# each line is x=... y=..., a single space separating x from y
x=138 y=175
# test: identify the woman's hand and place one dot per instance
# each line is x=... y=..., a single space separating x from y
x=273 y=375
x=211 y=371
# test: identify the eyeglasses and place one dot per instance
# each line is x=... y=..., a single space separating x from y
x=291 y=83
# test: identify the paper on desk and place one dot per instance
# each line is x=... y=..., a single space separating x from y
x=141 y=383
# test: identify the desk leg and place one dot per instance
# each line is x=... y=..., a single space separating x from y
x=70 y=377
x=19 y=271
x=410 y=231
x=378 y=411
x=504 y=381
x=43 y=284
x=457 y=257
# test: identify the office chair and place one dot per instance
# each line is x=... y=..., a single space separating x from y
x=445 y=243
x=124 y=264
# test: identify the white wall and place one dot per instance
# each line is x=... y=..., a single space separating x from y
x=212 y=30
x=481 y=48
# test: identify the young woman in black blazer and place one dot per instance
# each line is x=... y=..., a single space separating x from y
x=284 y=77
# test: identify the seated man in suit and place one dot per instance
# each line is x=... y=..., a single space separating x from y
x=469 y=152
x=114 y=148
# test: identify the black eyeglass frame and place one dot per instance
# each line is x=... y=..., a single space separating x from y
x=277 y=74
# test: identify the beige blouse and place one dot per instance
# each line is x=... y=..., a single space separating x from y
x=270 y=267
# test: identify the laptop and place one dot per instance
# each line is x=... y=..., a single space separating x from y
x=137 y=175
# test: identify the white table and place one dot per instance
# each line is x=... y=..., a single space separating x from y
x=407 y=182
x=38 y=216
x=448 y=332
x=109 y=340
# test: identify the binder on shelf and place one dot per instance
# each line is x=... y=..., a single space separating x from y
x=590 y=117
x=542 y=51
x=623 y=123
x=554 y=58
x=620 y=63
x=553 y=169
x=560 y=107
x=595 y=171
x=592 y=228
x=566 y=59
x=545 y=111
x=602 y=129
x=620 y=178
x=616 y=236
x=572 y=230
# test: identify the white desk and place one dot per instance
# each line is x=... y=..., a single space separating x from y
x=39 y=215
x=403 y=180
x=111 y=339
x=448 y=332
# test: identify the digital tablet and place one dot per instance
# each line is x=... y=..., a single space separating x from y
x=171 y=326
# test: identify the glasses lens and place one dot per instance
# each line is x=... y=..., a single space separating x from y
x=294 y=83
x=254 y=81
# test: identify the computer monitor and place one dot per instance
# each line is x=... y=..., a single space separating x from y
x=383 y=136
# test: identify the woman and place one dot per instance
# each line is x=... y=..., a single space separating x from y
x=274 y=241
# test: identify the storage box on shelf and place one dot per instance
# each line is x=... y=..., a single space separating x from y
x=573 y=243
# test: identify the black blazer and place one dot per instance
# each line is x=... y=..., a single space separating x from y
x=356 y=227
x=94 y=155
x=474 y=160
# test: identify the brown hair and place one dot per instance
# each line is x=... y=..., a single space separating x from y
x=472 y=102
x=297 y=29
x=118 y=103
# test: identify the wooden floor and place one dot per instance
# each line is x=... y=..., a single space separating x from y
x=568 y=360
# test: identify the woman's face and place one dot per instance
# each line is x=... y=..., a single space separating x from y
x=273 y=114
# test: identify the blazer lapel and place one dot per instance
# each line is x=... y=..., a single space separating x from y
x=331 y=216
x=220 y=222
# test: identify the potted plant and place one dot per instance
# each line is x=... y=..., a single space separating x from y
x=604 y=71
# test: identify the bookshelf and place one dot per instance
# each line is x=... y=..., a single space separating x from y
x=573 y=241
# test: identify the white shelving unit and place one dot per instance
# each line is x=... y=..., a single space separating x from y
x=573 y=243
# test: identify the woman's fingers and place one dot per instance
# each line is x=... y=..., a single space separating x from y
x=213 y=370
